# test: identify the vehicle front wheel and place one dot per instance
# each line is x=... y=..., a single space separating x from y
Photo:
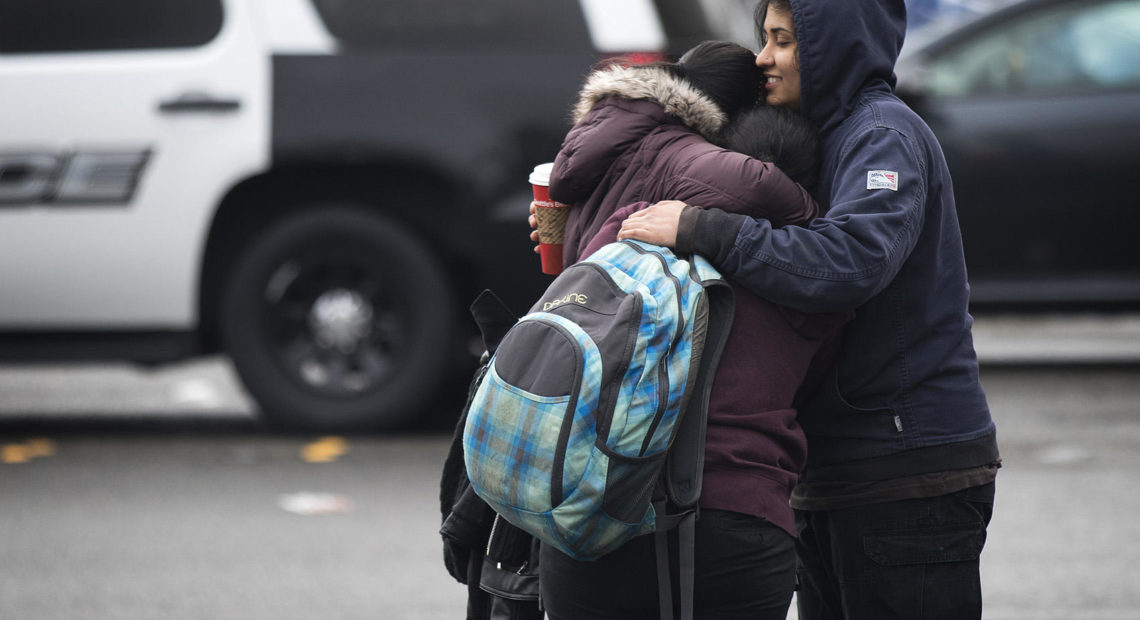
x=338 y=319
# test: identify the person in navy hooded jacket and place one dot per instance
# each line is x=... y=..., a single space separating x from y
x=898 y=491
x=642 y=133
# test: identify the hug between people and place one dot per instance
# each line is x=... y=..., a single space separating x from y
x=850 y=447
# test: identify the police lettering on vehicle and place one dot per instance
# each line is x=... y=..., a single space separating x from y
x=105 y=177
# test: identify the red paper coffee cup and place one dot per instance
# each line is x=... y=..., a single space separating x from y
x=551 y=218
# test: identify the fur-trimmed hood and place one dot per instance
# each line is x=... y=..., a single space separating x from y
x=652 y=83
x=640 y=131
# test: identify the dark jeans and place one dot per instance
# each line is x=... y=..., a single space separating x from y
x=913 y=559
x=745 y=569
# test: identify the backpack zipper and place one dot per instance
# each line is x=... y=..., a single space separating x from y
x=676 y=285
x=558 y=466
x=662 y=370
x=662 y=401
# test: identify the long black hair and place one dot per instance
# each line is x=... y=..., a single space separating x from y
x=725 y=72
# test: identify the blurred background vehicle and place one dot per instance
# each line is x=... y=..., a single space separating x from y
x=921 y=12
x=1037 y=107
x=316 y=188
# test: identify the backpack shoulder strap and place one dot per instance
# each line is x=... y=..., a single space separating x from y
x=493 y=317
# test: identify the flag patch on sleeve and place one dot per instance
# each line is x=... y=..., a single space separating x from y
x=883 y=179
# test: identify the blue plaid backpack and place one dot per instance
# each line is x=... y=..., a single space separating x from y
x=587 y=428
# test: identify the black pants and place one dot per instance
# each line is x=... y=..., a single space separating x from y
x=745 y=569
x=914 y=559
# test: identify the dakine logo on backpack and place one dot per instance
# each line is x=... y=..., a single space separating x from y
x=568 y=434
x=572 y=298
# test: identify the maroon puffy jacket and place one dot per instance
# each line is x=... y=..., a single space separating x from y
x=641 y=135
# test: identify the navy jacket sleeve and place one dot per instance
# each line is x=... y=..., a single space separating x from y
x=705 y=175
x=842 y=259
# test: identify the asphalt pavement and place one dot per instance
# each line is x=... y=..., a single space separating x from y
x=221 y=524
x=129 y=493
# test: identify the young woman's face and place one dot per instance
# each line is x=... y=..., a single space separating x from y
x=779 y=61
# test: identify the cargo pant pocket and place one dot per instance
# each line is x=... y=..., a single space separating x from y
x=957 y=543
x=924 y=574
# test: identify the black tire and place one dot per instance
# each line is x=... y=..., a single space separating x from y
x=338 y=319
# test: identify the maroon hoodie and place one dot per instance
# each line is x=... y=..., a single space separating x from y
x=641 y=136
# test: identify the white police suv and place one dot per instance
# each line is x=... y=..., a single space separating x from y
x=315 y=187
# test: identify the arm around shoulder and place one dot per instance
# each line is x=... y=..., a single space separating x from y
x=840 y=261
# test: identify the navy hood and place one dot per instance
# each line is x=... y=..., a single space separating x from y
x=867 y=34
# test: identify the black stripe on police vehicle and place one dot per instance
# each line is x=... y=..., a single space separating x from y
x=41 y=177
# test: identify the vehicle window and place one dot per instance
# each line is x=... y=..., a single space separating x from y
x=47 y=26
x=732 y=20
x=1108 y=44
x=1070 y=47
x=447 y=25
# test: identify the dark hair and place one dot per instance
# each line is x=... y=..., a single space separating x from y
x=783 y=6
x=778 y=135
x=725 y=72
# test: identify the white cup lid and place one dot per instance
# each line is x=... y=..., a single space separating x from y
x=541 y=174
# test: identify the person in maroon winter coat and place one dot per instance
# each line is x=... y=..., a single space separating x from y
x=643 y=134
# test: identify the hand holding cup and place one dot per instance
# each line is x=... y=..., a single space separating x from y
x=550 y=219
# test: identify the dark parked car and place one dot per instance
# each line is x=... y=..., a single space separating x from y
x=1037 y=107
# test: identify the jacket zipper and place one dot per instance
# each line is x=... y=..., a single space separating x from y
x=491 y=536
